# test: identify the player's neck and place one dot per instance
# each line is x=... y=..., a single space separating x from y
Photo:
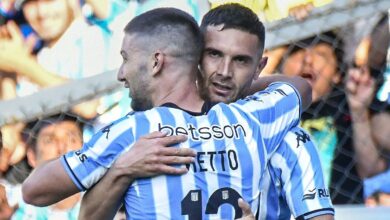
x=183 y=94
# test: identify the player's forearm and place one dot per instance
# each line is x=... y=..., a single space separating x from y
x=48 y=184
x=299 y=83
x=368 y=159
x=103 y=200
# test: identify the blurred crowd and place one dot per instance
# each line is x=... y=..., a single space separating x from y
x=46 y=43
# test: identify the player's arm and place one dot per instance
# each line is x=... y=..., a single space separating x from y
x=302 y=170
x=300 y=84
x=48 y=184
x=149 y=156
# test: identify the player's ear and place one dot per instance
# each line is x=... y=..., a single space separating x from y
x=157 y=62
x=263 y=61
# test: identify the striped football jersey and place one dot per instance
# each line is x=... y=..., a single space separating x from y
x=233 y=144
x=294 y=182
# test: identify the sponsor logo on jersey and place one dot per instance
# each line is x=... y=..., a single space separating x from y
x=234 y=131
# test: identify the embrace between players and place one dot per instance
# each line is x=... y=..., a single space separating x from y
x=251 y=148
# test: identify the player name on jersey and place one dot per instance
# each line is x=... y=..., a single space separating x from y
x=209 y=161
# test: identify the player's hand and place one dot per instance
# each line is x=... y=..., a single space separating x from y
x=151 y=155
x=246 y=210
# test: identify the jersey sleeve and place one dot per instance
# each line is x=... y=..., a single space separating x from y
x=277 y=109
x=89 y=164
x=301 y=176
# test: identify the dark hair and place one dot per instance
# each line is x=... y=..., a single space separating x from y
x=31 y=131
x=235 y=16
x=170 y=27
x=329 y=38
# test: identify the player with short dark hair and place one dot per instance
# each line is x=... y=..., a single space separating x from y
x=294 y=169
x=239 y=136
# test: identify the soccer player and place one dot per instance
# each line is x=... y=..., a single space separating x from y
x=232 y=142
x=294 y=173
x=294 y=183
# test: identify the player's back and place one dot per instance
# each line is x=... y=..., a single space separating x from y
x=232 y=147
x=229 y=161
x=233 y=143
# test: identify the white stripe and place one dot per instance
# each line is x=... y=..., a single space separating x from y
x=161 y=197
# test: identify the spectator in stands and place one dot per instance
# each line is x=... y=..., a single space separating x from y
x=319 y=59
x=72 y=49
x=370 y=113
x=53 y=21
x=371 y=110
x=48 y=139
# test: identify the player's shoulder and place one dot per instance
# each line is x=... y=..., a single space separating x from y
x=297 y=137
x=273 y=93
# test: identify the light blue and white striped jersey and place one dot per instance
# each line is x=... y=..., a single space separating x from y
x=294 y=182
x=233 y=143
